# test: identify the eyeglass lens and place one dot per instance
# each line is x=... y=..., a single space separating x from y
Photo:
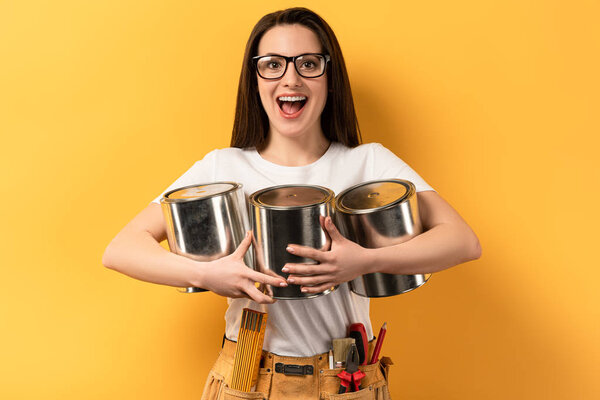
x=308 y=66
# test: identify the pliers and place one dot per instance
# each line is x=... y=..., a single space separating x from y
x=351 y=376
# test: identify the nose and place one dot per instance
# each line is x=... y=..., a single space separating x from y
x=291 y=77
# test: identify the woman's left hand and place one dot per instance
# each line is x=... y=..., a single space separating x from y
x=342 y=262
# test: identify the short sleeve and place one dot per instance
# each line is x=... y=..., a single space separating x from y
x=201 y=172
x=387 y=165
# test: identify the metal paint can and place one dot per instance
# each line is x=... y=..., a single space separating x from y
x=206 y=222
x=288 y=214
x=378 y=214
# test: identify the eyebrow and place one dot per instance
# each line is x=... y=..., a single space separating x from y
x=281 y=55
x=272 y=54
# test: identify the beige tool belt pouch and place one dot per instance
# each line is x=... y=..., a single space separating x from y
x=290 y=378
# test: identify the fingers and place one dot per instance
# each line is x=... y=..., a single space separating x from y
x=327 y=245
x=303 y=269
x=317 y=289
x=244 y=246
x=266 y=289
x=309 y=280
x=277 y=281
x=258 y=296
x=306 y=252
x=269 y=272
x=332 y=230
x=319 y=255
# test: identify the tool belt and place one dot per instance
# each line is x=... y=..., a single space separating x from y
x=289 y=378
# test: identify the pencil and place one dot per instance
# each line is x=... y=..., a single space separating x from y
x=378 y=344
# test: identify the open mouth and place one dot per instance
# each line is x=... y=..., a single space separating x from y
x=291 y=104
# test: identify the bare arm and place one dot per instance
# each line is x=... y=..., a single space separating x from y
x=447 y=241
x=136 y=252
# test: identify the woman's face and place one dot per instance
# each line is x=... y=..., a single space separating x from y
x=299 y=118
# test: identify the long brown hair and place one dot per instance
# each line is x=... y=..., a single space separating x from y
x=338 y=119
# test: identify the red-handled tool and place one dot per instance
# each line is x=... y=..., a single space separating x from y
x=359 y=334
x=351 y=376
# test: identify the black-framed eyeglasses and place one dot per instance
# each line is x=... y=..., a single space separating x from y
x=309 y=65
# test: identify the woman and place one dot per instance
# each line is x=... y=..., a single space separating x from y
x=295 y=123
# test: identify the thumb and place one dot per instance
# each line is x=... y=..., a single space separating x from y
x=244 y=246
x=332 y=230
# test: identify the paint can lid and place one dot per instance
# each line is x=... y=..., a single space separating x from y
x=291 y=196
x=195 y=192
x=374 y=195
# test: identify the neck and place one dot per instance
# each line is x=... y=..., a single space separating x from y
x=294 y=151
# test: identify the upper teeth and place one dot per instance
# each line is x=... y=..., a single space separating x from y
x=292 y=98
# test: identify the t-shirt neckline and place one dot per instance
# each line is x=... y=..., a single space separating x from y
x=284 y=168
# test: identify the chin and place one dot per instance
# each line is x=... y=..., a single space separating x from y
x=295 y=129
x=290 y=133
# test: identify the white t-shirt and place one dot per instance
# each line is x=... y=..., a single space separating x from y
x=302 y=327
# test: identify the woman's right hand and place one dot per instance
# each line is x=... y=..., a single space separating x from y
x=230 y=276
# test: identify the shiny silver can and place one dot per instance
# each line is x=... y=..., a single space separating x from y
x=206 y=222
x=288 y=214
x=379 y=214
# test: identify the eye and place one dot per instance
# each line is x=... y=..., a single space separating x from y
x=309 y=63
x=273 y=65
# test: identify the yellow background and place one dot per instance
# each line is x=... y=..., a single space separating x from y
x=495 y=103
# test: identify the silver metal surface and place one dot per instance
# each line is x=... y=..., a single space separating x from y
x=379 y=214
x=288 y=214
x=206 y=222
